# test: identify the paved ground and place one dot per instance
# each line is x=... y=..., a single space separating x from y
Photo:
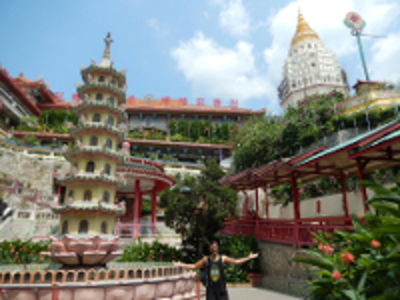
x=255 y=293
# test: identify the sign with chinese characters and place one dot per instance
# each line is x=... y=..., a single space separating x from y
x=130 y=99
x=200 y=101
x=183 y=101
x=234 y=103
x=217 y=102
x=165 y=100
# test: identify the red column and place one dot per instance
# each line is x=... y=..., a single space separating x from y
x=140 y=206
x=363 y=190
x=246 y=205
x=153 y=210
x=296 y=207
x=266 y=203
x=257 y=203
x=136 y=208
x=343 y=184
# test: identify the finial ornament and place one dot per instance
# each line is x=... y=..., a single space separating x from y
x=108 y=42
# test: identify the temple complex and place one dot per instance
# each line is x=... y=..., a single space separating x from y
x=309 y=68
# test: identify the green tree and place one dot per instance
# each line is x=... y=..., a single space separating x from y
x=183 y=127
x=196 y=207
x=172 y=128
x=225 y=132
x=195 y=129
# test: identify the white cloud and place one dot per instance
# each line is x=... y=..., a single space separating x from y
x=234 y=18
x=159 y=30
x=216 y=71
x=386 y=60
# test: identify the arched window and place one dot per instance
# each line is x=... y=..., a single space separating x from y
x=96 y=118
x=93 y=141
x=111 y=101
x=109 y=143
x=87 y=195
x=110 y=121
x=106 y=197
x=71 y=194
x=103 y=228
x=107 y=169
x=99 y=97
x=83 y=226
x=90 y=167
x=101 y=79
x=112 y=82
x=64 y=229
x=75 y=166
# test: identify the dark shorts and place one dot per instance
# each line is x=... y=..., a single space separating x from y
x=214 y=295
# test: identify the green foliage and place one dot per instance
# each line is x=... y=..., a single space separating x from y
x=173 y=128
x=236 y=247
x=145 y=252
x=196 y=207
x=23 y=252
x=372 y=270
x=30 y=140
x=183 y=127
x=146 y=208
x=195 y=129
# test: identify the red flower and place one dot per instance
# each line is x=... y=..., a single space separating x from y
x=336 y=275
x=347 y=258
x=375 y=244
x=325 y=249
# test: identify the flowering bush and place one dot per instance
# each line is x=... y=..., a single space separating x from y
x=23 y=252
x=365 y=263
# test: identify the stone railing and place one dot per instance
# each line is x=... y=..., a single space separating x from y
x=102 y=284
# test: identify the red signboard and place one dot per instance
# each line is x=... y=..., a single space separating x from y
x=234 y=103
x=217 y=102
x=200 y=101
x=59 y=95
x=75 y=97
x=130 y=99
x=165 y=100
x=183 y=101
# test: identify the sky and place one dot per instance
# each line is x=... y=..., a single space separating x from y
x=226 y=49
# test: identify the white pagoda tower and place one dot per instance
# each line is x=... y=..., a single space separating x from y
x=309 y=69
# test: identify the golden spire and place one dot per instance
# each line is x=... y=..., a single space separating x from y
x=303 y=31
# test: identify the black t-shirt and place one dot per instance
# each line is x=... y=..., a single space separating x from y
x=215 y=275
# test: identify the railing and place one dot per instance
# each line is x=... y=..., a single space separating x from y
x=286 y=231
x=131 y=230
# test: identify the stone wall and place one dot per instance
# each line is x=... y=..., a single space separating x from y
x=280 y=273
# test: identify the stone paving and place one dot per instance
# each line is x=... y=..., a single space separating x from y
x=257 y=293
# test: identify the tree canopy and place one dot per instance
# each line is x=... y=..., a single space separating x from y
x=196 y=207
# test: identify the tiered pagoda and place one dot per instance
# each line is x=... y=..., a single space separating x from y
x=87 y=215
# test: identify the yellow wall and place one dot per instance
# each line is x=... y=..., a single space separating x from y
x=99 y=164
x=92 y=96
x=101 y=139
x=372 y=100
x=103 y=117
x=94 y=221
x=97 y=191
x=107 y=79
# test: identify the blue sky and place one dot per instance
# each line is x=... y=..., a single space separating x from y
x=227 y=49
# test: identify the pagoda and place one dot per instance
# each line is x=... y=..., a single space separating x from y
x=310 y=68
x=87 y=217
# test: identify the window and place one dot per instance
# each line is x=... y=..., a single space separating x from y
x=87 y=195
x=106 y=197
x=83 y=226
x=107 y=169
x=111 y=101
x=109 y=143
x=64 y=229
x=90 y=167
x=112 y=82
x=93 y=141
x=75 y=166
x=96 y=118
x=110 y=121
x=71 y=195
x=101 y=79
x=103 y=228
x=99 y=97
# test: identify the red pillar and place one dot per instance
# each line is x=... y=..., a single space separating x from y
x=343 y=184
x=140 y=206
x=246 y=205
x=363 y=190
x=153 y=210
x=136 y=208
x=296 y=207
x=257 y=203
x=266 y=203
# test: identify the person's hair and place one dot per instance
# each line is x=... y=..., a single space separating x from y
x=213 y=241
